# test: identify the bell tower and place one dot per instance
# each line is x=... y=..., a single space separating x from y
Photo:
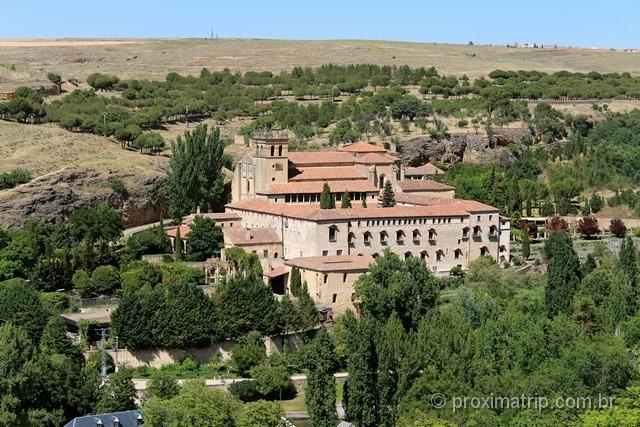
x=271 y=158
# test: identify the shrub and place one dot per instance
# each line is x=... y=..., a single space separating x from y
x=588 y=226
x=82 y=283
x=273 y=381
x=247 y=353
x=105 y=279
x=617 y=227
x=246 y=390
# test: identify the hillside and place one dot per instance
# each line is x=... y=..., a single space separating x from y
x=27 y=61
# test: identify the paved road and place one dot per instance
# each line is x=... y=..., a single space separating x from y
x=128 y=232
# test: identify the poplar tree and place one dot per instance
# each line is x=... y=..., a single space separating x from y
x=320 y=396
x=326 y=198
x=526 y=247
x=346 y=200
x=362 y=365
x=563 y=273
x=628 y=261
x=388 y=198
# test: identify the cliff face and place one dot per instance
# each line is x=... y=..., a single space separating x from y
x=461 y=146
x=59 y=194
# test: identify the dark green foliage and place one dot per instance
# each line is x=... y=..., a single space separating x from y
x=563 y=273
x=93 y=224
x=25 y=104
x=118 y=187
x=320 y=394
x=596 y=203
x=205 y=239
x=151 y=142
x=20 y=305
x=13 y=178
x=53 y=273
x=195 y=178
x=102 y=81
x=152 y=241
x=162 y=385
x=243 y=262
x=345 y=203
x=118 y=394
x=105 y=280
x=388 y=198
x=295 y=281
x=273 y=382
x=245 y=390
x=327 y=201
x=628 y=262
x=82 y=283
x=526 y=248
x=248 y=353
x=246 y=304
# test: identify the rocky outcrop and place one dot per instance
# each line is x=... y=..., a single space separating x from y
x=59 y=194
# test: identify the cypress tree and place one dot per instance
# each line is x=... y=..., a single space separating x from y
x=526 y=248
x=563 y=273
x=628 y=261
x=295 y=284
x=326 y=198
x=362 y=365
x=388 y=198
x=320 y=396
x=178 y=244
x=346 y=200
x=389 y=343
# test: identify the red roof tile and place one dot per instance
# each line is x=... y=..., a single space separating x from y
x=328 y=174
x=422 y=185
x=314 y=213
x=332 y=263
x=470 y=206
x=364 y=147
x=311 y=158
x=184 y=230
x=376 y=159
x=278 y=271
x=427 y=169
x=360 y=186
x=250 y=236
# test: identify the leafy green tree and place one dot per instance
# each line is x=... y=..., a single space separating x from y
x=248 y=352
x=53 y=273
x=55 y=78
x=260 y=414
x=118 y=394
x=82 y=283
x=596 y=203
x=295 y=281
x=152 y=142
x=563 y=273
x=20 y=305
x=526 y=248
x=320 y=394
x=195 y=173
x=628 y=263
x=54 y=340
x=345 y=203
x=205 y=239
x=273 y=382
x=162 y=385
x=101 y=222
x=388 y=197
x=327 y=200
x=105 y=280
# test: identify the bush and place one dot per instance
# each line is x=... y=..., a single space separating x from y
x=12 y=178
x=82 y=283
x=273 y=381
x=617 y=227
x=247 y=353
x=246 y=390
x=105 y=279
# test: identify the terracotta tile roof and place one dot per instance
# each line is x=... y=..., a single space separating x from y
x=376 y=159
x=360 y=186
x=470 y=206
x=184 y=230
x=311 y=158
x=314 y=213
x=364 y=147
x=275 y=272
x=422 y=185
x=216 y=216
x=332 y=263
x=250 y=236
x=328 y=174
x=427 y=169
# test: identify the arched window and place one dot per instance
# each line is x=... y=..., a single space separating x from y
x=367 y=238
x=333 y=233
x=352 y=239
x=400 y=236
x=457 y=254
x=381 y=181
x=493 y=231
x=484 y=251
x=275 y=255
x=424 y=255
x=383 y=237
x=280 y=150
x=465 y=232
x=416 y=236
x=273 y=150
x=477 y=231
x=248 y=186
x=502 y=248
x=439 y=255
x=432 y=234
x=407 y=255
x=375 y=255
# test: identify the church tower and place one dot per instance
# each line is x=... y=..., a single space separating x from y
x=271 y=158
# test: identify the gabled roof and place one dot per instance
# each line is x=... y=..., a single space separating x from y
x=332 y=263
x=470 y=206
x=328 y=158
x=171 y=231
x=376 y=159
x=426 y=169
x=328 y=174
x=313 y=187
x=250 y=236
x=422 y=185
x=314 y=213
x=364 y=147
x=248 y=158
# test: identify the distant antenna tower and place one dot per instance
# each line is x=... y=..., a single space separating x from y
x=212 y=33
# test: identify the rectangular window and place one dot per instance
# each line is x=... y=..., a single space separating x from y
x=325 y=253
x=265 y=253
x=339 y=252
x=334 y=298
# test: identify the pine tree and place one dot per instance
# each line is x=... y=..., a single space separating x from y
x=326 y=198
x=596 y=203
x=346 y=200
x=307 y=308
x=320 y=396
x=563 y=273
x=526 y=247
x=388 y=198
x=295 y=283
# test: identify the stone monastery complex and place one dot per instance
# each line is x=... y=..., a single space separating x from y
x=275 y=213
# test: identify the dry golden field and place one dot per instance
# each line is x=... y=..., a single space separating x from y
x=27 y=61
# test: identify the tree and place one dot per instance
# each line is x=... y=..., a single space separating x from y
x=596 y=203
x=101 y=222
x=56 y=79
x=273 y=382
x=248 y=352
x=320 y=395
x=260 y=414
x=617 y=227
x=118 y=394
x=105 y=280
x=20 y=305
x=205 y=239
x=327 y=201
x=295 y=281
x=557 y=223
x=628 y=262
x=150 y=141
x=526 y=248
x=388 y=198
x=54 y=340
x=563 y=273
x=102 y=81
x=346 y=200
x=162 y=385
x=195 y=173
x=588 y=226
